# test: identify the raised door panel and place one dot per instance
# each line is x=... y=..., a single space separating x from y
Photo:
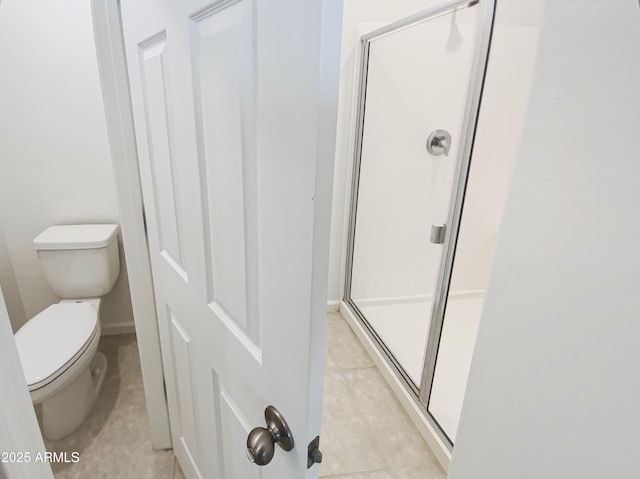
x=161 y=156
x=236 y=427
x=182 y=349
x=222 y=45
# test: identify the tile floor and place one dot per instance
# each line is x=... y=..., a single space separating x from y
x=404 y=328
x=114 y=442
x=365 y=434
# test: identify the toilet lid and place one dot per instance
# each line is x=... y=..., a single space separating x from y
x=49 y=340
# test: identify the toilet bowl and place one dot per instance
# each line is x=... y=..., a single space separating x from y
x=58 y=347
x=64 y=372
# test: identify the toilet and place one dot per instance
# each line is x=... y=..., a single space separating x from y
x=58 y=347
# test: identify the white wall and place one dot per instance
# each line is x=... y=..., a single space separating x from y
x=55 y=165
x=554 y=386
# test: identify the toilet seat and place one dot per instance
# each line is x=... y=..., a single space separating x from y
x=53 y=340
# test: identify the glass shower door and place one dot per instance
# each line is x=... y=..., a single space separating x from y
x=419 y=94
x=416 y=84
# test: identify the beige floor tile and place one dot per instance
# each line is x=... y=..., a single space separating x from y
x=403 y=473
x=365 y=433
x=177 y=471
x=346 y=441
x=393 y=430
x=122 y=447
x=370 y=391
x=347 y=447
x=380 y=474
x=404 y=446
x=336 y=399
x=60 y=474
x=114 y=442
x=419 y=473
x=123 y=362
x=330 y=363
x=345 y=348
x=358 y=401
x=385 y=474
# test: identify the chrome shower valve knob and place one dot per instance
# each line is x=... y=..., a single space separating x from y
x=439 y=143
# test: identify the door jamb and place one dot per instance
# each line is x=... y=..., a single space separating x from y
x=20 y=436
x=124 y=156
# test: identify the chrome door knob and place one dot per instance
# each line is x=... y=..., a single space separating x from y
x=261 y=442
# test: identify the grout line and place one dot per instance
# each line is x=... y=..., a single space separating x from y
x=356 y=367
x=347 y=475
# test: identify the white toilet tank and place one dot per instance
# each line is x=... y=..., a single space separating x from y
x=79 y=261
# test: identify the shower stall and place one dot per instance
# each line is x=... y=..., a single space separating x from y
x=419 y=248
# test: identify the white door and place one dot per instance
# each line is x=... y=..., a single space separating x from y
x=233 y=103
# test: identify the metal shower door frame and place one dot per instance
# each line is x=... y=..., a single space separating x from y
x=474 y=95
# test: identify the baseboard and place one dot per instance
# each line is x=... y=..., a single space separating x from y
x=123 y=327
x=333 y=306
x=393 y=300
x=453 y=295
x=406 y=399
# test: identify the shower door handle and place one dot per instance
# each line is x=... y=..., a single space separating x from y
x=438 y=233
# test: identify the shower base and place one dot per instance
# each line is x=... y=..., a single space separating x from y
x=404 y=327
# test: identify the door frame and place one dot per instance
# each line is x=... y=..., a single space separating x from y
x=19 y=430
x=114 y=79
x=459 y=188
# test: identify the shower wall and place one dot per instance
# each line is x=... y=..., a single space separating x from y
x=359 y=15
x=417 y=83
x=499 y=128
x=499 y=125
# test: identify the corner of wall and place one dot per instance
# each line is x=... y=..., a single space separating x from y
x=9 y=287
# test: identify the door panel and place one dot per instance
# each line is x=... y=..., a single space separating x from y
x=222 y=41
x=182 y=351
x=161 y=159
x=236 y=427
x=226 y=99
